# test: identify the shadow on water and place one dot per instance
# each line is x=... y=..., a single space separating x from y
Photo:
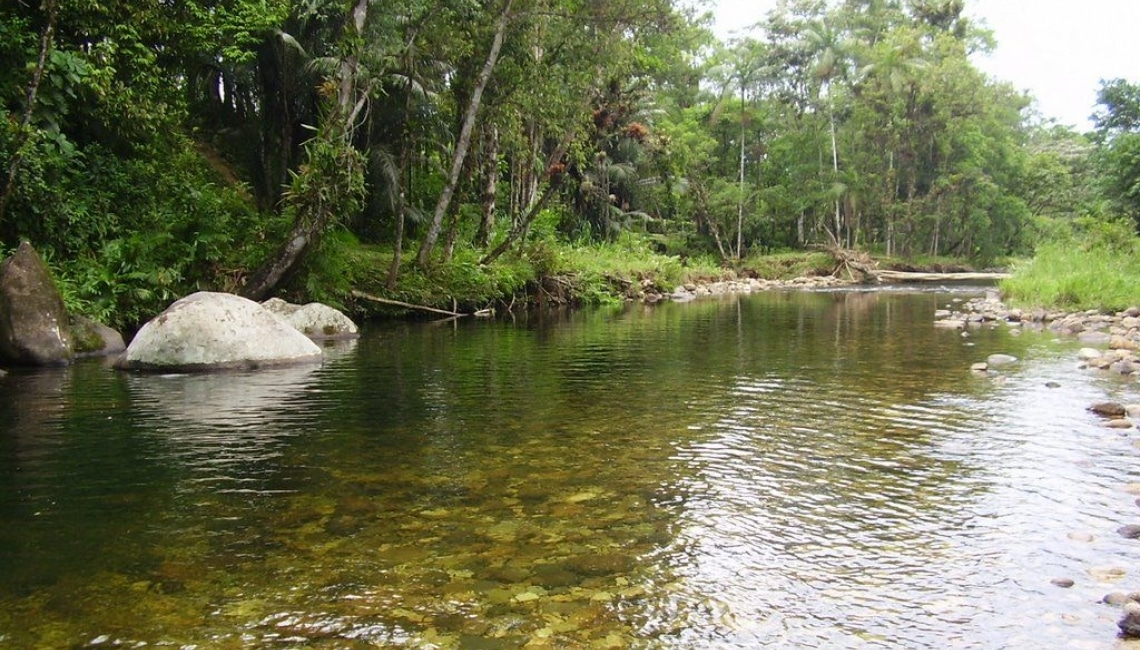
x=780 y=470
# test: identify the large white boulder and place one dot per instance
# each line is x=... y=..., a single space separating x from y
x=314 y=320
x=217 y=331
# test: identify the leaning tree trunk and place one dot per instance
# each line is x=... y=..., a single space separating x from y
x=464 y=142
x=51 y=8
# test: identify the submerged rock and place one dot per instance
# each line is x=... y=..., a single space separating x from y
x=33 y=321
x=217 y=331
x=998 y=360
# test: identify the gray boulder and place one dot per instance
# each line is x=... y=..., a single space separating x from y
x=91 y=338
x=33 y=321
x=314 y=320
x=217 y=331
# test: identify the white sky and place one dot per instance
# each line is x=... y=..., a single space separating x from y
x=1058 y=50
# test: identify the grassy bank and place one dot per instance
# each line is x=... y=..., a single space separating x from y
x=1095 y=268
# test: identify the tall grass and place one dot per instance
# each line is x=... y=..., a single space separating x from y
x=1097 y=269
x=632 y=257
x=789 y=265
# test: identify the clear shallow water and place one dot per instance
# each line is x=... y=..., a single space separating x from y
x=781 y=470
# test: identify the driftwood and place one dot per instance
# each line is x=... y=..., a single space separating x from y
x=860 y=267
x=857 y=264
x=406 y=305
x=907 y=276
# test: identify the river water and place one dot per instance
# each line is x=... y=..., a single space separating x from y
x=785 y=470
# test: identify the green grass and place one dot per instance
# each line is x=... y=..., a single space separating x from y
x=1072 y=276
x=790 y=265
x=631 y=259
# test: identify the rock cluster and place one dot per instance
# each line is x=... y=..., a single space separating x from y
x=1117 y=337
x=217 y=331
x=691 y=291
x=208 y=331
x=1117 y=333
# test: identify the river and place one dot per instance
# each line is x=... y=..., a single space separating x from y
x=785 y=470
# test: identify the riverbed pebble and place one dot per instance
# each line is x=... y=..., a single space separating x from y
x=1108 y=409
x=1119 y=598
x=1130 y=623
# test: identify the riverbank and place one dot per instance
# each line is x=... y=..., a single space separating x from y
x=555 y=274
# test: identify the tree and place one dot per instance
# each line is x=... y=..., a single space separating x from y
x=464 y=141
x=51 y=11
x=331 y=183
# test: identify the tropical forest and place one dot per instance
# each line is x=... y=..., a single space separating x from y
x=625 y=342
x=453 y=152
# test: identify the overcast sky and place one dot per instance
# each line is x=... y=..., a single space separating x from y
x=1058 y=50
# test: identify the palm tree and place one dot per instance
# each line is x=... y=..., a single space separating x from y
x=828 y=64
x=893 y=75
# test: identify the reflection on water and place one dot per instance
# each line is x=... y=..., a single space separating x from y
x=783 y=470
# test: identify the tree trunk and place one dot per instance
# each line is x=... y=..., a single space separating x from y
x=51 y=8
x=490 y=188
x=536 y=207
x=398 y=249
x=524 y=224
x=464 y=141
x=740 y=201
x=402 y=169
x=451 y=236
x=834 y=164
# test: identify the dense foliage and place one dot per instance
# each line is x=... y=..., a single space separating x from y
x=314 y=146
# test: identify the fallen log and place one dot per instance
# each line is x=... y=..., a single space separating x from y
x=406 y=305
x=909 y=276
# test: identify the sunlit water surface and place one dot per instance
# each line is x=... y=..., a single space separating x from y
x=786 y=470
